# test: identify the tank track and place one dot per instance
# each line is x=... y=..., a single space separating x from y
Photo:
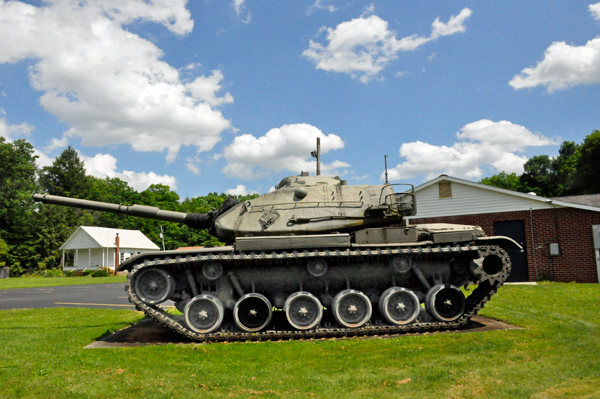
x=486 y=288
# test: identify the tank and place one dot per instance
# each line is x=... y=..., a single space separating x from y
x=315 y=258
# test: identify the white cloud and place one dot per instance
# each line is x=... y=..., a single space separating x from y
x=318 y=6
x=564 y=65
x=239 y=190
x=205 y=89
x=370 y=9
x=242 y=11
x=595 y=10
x=455 y=25
x=56 y=143
x=105 y=165
x=364 y=46
x=43 y=159
x=285 y=148
x=483 y=143
x=193 y=168
x=9 y=132
x=108 y=84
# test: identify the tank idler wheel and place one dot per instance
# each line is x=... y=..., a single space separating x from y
x=445 y=302
x=399 y=305
x=212 y=271
x=252 y=312
x=154 y=286
x=351 y=309
x=303 y=310
x=204 y=314
x=493 y=264
x=316 y=267
x=401 y=263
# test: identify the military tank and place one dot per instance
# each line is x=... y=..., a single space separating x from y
x=315 y=258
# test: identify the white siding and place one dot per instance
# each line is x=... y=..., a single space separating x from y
x=80 y=240
x=469 y=200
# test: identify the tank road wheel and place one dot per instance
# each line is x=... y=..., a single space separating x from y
x=399 y=305
x=401 y=263
x=303 y=310
x=351 y=309
x=212 y=271
x=445 y=302
x=154 y=286
x=252 y=312
x=316 y=267
x=204 y=314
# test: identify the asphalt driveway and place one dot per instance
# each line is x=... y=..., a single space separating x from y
x=111 y=296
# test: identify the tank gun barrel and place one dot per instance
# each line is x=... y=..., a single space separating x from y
x=143 y=211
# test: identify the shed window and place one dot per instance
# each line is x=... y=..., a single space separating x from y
x=445 y=189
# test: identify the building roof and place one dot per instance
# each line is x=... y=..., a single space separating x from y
x=101 y=237
x=589 y=199
x=476 y=198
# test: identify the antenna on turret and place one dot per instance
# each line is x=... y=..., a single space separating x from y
x=317 y=154
x=386 y=176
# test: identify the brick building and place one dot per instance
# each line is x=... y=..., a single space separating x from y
x=560 y=236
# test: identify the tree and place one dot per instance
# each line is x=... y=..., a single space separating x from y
x=66 y=176
x=588 y=172
x=565 y=169
x=17 y=184
x=539 y=175
x=504 y=180
x=3 y=252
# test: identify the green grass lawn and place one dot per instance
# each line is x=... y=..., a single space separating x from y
x=556 y=355
x=31 y=282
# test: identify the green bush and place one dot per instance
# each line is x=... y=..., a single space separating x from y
x=53 y=273
x=69 y=274
x=100 y=273
x=87 y=272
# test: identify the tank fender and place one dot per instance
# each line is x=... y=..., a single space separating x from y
x=506 y=243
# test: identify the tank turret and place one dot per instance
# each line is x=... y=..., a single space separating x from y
x=300 y=205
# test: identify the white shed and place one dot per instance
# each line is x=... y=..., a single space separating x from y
x=95 y=247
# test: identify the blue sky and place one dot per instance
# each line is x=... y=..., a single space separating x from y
x=229 y=96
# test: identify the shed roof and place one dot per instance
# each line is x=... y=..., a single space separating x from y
x=102 y=237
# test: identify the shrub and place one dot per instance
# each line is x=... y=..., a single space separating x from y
x=53 y=273
x=87 y=272
x=100 y=273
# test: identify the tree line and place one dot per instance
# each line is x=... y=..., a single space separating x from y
x=31 y=233
x=575 y=171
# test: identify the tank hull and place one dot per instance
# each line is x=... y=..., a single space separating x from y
x=323 y=286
